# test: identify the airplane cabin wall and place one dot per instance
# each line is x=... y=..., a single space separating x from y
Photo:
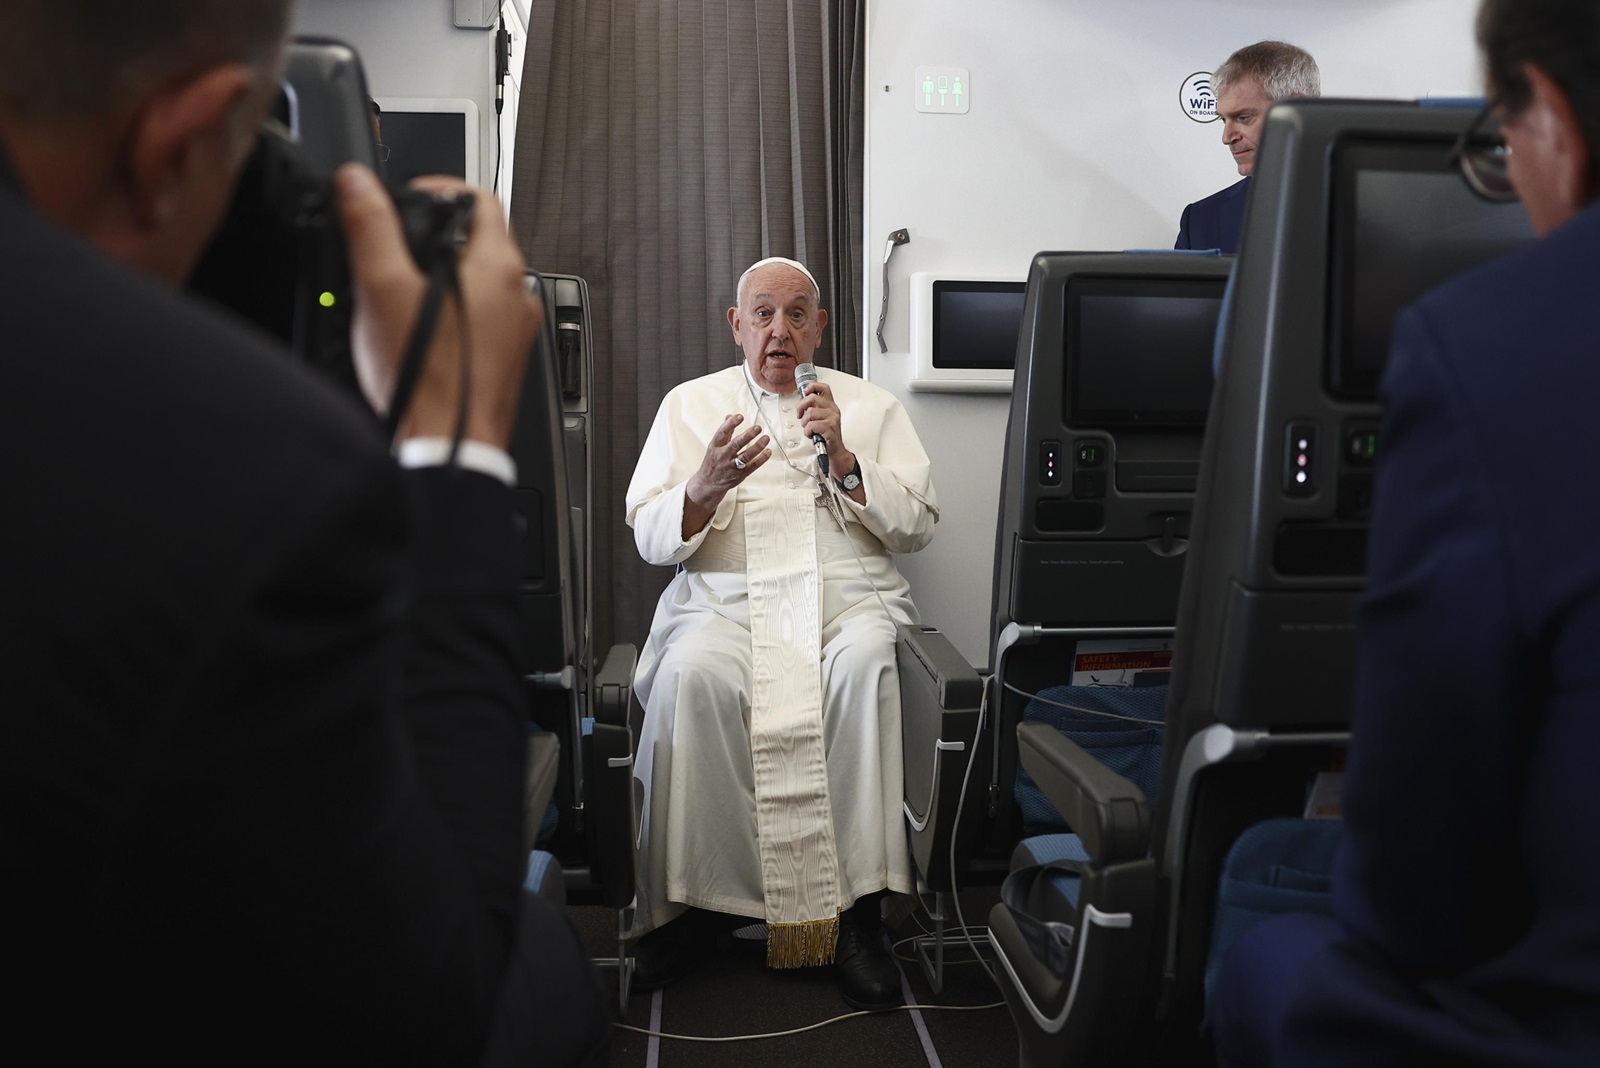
x=1075 y=140
x=412 y=48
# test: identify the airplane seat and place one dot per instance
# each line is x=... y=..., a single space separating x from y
x=942 y=741
x=1112 y=376
x=1356 y=208
x=1112 y=386
x=578 y=699
x=1076 y=904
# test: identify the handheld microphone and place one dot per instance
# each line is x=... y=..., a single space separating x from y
x=805 y=374
x=502 y=63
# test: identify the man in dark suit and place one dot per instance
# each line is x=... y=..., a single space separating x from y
x=1246 y=85
x=261 y=741
x=1467 y=891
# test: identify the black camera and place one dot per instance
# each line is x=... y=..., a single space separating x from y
x=279 y=258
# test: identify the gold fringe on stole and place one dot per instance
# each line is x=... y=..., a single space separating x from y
x=802 y=945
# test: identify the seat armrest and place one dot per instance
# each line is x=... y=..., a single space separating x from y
x=608 y=775
x=940 y=698
x=954 y=683
x=613 y=685
x=1106 y=811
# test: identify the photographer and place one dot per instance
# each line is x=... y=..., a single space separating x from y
x=262 y=750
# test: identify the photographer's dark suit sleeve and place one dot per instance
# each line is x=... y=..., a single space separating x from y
x=261 y=750
x=417 y=878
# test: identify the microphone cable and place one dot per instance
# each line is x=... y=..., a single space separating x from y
x=830 y=495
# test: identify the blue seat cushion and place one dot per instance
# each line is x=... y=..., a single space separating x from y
x=1044 y=900
x=544 y=878
x=1274 y=867
x=1062 y=885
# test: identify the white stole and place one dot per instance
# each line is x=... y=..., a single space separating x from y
x=794 y=817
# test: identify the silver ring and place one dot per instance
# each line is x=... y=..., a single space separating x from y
x=738 y=461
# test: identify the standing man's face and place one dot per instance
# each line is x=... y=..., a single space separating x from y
x=1242 y=106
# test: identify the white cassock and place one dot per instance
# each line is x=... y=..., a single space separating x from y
x=769 y=760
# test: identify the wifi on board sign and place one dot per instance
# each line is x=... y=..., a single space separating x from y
x=1199 y=102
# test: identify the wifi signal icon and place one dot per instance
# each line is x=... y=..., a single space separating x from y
x=1196 y=98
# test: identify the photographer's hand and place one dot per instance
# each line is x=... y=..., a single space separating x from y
x=502 y=319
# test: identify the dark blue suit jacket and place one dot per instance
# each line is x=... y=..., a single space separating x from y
x=1215 y=221
x=1468 y=888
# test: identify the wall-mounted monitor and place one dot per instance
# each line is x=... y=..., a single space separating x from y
x=429 y=135
x=1403 y=221
x=964 y=332
x=1139 y=351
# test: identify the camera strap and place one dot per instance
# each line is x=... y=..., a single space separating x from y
x=443 y=277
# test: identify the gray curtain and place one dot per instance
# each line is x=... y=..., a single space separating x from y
x=663 y=146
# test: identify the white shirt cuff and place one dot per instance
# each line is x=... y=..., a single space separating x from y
x=472 y=455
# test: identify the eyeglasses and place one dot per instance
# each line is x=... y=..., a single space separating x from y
x=383 y=152
x=1483 y=158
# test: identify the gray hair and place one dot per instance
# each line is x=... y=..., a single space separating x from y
x=67 y=59
x=1282 y=69
x=738 y=289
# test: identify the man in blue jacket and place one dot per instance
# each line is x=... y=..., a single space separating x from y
x=1467 y=890
x=1246 y=85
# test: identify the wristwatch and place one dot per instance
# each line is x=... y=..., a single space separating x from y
x=852 y=480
